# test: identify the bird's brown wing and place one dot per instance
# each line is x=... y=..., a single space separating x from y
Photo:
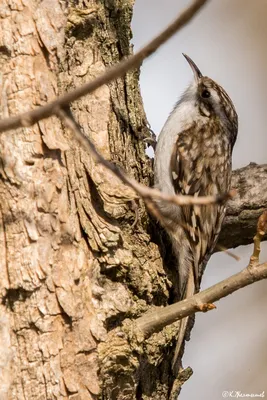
x=194 y=175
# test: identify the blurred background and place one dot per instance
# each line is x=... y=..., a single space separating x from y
x=227 y=40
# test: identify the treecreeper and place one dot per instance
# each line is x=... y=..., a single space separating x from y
x=194 y=157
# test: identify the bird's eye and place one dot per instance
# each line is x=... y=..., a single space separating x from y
x=205 y=94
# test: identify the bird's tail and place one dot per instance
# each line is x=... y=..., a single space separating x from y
x=190 y=290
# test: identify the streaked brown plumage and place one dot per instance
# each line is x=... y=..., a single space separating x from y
x=193 y=157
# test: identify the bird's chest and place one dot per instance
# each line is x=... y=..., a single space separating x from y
x=204 y=162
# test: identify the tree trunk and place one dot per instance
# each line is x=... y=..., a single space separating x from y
x=75 y=269
x=72 y=267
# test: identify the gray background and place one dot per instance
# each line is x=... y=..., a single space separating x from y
x=227 y=40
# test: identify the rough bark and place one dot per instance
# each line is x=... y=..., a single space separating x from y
x=244 y=210
x=72 y=269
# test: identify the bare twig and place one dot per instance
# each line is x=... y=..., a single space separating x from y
x=157 y=319
x=261 y=231
x=145 y=192
x=219 y=247
x=31 y=117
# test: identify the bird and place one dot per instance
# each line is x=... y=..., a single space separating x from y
x=194 y=157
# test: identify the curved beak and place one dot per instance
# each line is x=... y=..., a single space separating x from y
x=197 y=74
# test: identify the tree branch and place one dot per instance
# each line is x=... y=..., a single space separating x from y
x=244 y=210
x=157 y=319
x=116 y=71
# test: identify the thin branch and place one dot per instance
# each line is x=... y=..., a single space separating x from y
x=148 y=194
x=219 y=247
x=261 y=231
x=157 y=319
x=114 y=72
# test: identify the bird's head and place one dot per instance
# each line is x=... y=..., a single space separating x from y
x=211 y=99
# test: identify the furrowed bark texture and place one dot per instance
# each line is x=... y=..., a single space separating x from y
x=244 y=210
x=72 y=269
